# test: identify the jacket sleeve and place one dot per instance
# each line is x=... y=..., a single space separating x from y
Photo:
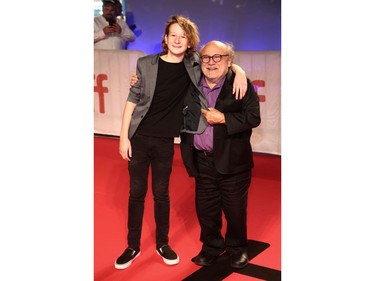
x=249 y=117
x=98 y=30
x=126 y=33
x=135 y=90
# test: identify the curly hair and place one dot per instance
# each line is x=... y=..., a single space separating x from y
x=189 y=27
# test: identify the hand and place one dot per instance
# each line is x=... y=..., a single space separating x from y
x=116 y=28
x=107 y=29
x=240 y=84
x=133 y=79
x=213 y=116
x=125 y=149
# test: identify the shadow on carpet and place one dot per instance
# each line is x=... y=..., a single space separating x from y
x=221 y=269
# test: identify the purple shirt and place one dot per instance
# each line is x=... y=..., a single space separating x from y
x=204 y=141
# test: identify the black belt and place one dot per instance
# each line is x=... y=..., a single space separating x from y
x=206 y=153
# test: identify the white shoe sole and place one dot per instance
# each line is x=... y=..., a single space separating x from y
x=126 y=265
x=169 y=262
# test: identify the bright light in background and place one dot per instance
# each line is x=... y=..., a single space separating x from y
x=98 y=7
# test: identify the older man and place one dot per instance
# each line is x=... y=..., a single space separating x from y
x=220 y=156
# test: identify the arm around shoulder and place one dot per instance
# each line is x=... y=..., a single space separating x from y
x=240 y=81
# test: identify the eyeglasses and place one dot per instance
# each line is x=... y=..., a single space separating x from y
x=215 y=58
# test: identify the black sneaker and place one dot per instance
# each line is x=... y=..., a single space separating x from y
x=126 y=259
x=168 y=255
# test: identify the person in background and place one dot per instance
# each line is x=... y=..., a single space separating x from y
x=110 y=32
x=220 y=156
x=151 y=120
x=118 y=10
x=120 y=17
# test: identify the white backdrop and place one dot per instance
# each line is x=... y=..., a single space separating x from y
x=264 y=70
x=112 y=73
x=113 y=69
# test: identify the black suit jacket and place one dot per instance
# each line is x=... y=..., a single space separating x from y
x=232 y=148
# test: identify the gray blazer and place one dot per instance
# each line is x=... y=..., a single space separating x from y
x=142 y=92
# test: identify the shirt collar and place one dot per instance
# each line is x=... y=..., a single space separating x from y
x=204 y=84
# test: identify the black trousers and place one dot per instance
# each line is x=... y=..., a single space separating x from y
x=156 y=153
x=218 y=194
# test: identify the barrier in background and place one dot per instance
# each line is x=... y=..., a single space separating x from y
x=112 y=73
x=113 y=70
x=264 y=70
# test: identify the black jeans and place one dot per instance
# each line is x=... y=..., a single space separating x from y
x=157 y=152
x=217 y=194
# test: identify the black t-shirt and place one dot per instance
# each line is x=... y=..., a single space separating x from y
x=165 y=114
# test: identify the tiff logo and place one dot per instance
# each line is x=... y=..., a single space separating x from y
x=101 y=90
x=259 y=84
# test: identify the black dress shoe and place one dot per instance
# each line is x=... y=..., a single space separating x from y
x=239 y=260
x=205 y=259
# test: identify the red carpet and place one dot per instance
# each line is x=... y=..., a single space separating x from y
x=110 y=207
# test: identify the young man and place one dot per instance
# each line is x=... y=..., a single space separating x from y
x=220 y=156
x=151 y=120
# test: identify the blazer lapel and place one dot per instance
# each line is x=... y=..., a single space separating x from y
x=226 y=91
x=152 y=73
x=193 y=68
